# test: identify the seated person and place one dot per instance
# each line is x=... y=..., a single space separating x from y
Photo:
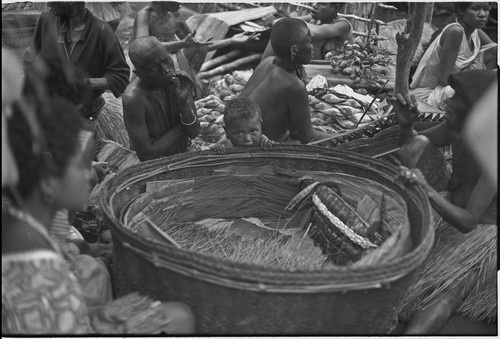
x=158 y=106
x=329 y=35
x=460 y=46
x=162 y=20
x=242 y=123
x=460 y=273
x=277 y=86
x=40 y=295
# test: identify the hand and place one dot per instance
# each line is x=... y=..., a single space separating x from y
x=266 y=143
x=412 y=177
x=241 y=38
x=101 y=168
x=405 y=108
x=219 y=148
x=190 y=41
x=183 y=86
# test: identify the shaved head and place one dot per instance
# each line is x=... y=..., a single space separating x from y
x=146 y=51
x=287 y=32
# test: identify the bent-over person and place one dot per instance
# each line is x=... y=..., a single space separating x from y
x=277 y=86
x=158 y=106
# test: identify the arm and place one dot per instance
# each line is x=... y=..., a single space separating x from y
x=183 y=29
x=189 y=121
x=134 y=116
x=300 y=116
x=407 y=113
x=141 y=23
x=235 y=40
x=450 y=47
x=187 y=42
x=464 y=219
x=329 y=31
x=116 y=69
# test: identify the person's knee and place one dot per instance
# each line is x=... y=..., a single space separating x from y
x=182 y=318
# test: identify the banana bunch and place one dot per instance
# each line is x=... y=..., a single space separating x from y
x=230 y=85
x=340 y=112
x=358 y=62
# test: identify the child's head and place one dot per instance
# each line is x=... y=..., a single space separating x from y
x=242 y=122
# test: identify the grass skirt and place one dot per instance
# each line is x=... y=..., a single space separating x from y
x=454 y=257
x=109 y=124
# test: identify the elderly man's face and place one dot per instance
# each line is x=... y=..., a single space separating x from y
x=157 y=67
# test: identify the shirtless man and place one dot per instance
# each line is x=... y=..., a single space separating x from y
x=163 y=20
x=158 y=106
x=277 y=88
x=329 y=35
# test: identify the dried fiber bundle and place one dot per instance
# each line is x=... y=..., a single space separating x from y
x=447 y=265
x=271 y=250
x=110 y=125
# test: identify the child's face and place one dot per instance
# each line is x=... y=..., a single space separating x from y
x=245 y=132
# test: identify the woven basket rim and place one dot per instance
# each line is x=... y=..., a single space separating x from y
x=193 y=263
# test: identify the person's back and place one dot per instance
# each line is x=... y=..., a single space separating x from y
x=277 y=87
x=274 y=89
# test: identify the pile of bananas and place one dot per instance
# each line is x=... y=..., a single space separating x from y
x=359 y=62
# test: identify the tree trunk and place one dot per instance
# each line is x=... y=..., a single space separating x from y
x=407 y=45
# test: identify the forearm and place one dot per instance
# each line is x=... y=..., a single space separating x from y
x=406 y=133
x=159 y=147
x=458 y=217
x=174 y=46
x=99 y=84
x=189 y=121
x=220 y=44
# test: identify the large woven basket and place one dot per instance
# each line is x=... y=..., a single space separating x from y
x=235 y=298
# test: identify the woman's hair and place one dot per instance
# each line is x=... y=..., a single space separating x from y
x=240 y=109
x=461 y=7
x=59 y=126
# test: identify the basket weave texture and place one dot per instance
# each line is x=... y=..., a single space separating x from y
x=235 y=298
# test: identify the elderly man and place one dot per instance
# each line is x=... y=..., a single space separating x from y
x=278 y=89
x=158 y=106
x=70 y=32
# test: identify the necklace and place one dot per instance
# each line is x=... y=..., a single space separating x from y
x=35 y=224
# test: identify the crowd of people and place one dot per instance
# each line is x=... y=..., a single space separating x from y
x=54 y=282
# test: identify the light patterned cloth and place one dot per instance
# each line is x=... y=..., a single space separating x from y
x=425 y=81
x=40 y=296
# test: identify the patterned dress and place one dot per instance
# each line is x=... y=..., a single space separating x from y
x=40 y=296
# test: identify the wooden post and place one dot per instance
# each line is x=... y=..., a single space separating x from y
x=430 y=12
x=407 y=45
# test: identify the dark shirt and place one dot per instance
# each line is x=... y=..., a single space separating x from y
x=98 y=52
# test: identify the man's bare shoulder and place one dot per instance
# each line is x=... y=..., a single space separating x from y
x=134 y=95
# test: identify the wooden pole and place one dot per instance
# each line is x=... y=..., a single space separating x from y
x=407 y=45
x=219 y=60
x=430 y=12
x=230 y=66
